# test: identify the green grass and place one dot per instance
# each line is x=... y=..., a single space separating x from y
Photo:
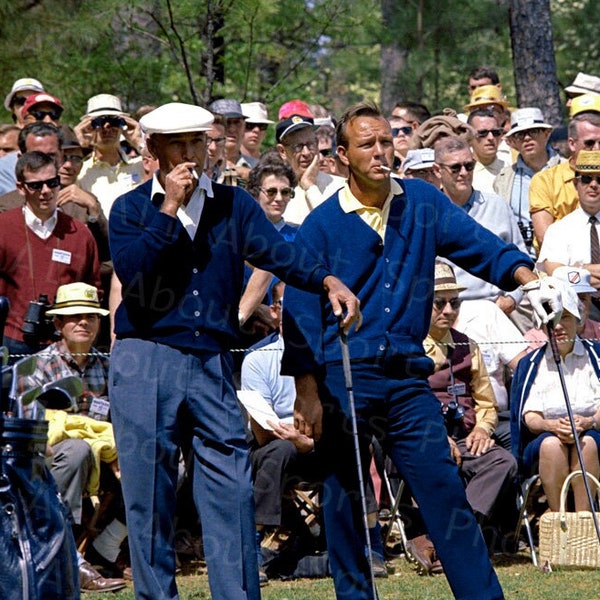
x=519 y=578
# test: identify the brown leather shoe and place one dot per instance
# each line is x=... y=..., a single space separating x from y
x=420 y=551
x=91 y=581
x=118 y=569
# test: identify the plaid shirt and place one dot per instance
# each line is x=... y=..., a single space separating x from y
x=55 y=362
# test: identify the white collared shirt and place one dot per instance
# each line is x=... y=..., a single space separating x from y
x=189 y=215
x=43 y=229
x=546 y=395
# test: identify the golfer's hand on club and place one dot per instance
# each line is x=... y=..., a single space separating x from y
x=545 y=300
x=308 y=412
x=341 y=297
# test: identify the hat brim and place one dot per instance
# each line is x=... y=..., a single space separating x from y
x=574 y=89
x=474 y=105
x=527 y=127
x=24 y=88
x=258 y=121
x=294 y=127
x=448 y=287
x=77 y=310
x=109 y=112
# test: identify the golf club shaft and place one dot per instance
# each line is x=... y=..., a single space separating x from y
x=354 y=422
x=561 y=375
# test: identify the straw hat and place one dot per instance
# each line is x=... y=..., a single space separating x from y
x=77 y=299
x=485 y=95
x=445 y=280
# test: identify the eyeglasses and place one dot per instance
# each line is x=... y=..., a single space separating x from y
x=405 y=130
x=73 y=159
x=112 y=121
x=218 y=141
x=591 y=144
x=37 y=186
x=297 y=148
x=440 y=303
x=325 y=152
x=587 y=179
x=532 y=133
x=483 y=133
x=261 y=126
x=271 y=193
x=457 y=167
x=39 y=115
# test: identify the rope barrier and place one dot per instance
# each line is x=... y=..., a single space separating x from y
x=472 y=342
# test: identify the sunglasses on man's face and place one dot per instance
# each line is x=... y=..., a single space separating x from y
x=440 y=303
x=261 y=126
x=456 y=168
x=404 y=130
x=483 y=133
x=100 y=122
x=37 y=186
x=39 y=115
x=587 y=179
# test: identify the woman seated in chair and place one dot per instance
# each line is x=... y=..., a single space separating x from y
x=542 y=435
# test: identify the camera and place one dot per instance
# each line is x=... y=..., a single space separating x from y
x=453 y=417
x=527 y=233
x=36 y=326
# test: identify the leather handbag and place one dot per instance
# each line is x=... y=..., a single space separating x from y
x=568 y=539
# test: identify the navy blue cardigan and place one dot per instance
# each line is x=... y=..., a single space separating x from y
x=186 y=293
x=393 y=280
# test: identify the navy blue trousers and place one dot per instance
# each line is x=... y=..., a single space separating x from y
x=406 y=416
x=163 y=399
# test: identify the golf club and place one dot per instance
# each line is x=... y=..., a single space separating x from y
x=561 y=375
x=363 y=499
x=25 y=399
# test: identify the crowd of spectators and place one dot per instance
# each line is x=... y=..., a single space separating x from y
x=500 y=163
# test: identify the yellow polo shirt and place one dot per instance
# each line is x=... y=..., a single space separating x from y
x=375 y=218
x=553 y=190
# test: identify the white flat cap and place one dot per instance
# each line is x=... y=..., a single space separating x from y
x=176 y=117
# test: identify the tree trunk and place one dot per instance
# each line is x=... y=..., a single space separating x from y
x=393 y=59
x=533 y=57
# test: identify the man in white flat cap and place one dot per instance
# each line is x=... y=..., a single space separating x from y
x=178 y=244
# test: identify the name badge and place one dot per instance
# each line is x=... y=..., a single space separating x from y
x=458 y=389
x=61 y=256
x=99 y=409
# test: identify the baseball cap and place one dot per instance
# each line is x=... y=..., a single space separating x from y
x=294 y=123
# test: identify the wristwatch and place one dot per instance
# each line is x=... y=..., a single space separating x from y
x=92 y=219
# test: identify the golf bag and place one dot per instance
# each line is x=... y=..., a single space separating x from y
x=38 y=559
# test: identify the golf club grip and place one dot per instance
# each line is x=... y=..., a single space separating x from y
x=551 y=338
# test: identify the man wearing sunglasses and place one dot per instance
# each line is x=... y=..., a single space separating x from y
x=528 y=135
x=256 y=125
x=454 y=166
x=15 y=99
x=40 y=249
x=108 y=172
x=552 y=193
x=42 y=107
x=573 y=240
x=485 y=144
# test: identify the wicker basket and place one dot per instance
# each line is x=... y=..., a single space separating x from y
x=569 y=539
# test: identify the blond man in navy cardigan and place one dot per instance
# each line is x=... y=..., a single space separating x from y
x=382 y=236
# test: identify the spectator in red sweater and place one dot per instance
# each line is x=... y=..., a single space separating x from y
x=40 y=249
